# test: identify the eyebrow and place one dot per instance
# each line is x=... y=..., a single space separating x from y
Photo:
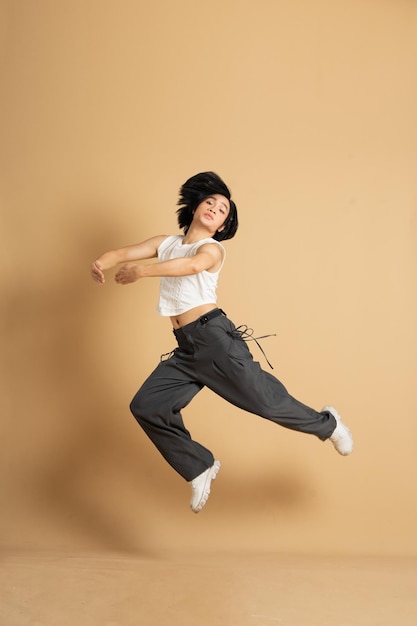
x=223 y=203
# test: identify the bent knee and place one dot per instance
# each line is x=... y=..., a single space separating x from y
x=138 y=408
x=145 y=411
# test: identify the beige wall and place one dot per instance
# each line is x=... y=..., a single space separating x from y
x=308 y=110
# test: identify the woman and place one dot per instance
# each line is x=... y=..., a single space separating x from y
x=211 y=351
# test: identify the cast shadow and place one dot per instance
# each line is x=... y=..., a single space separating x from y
x=78 y=463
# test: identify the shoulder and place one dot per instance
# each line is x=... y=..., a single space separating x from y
x=215 y=250
x=211 y=245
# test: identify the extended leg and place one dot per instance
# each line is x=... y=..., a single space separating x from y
x=226 y=366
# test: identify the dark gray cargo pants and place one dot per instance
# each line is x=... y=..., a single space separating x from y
x=212 y=353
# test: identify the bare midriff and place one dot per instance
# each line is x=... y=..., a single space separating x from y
x=192 y=315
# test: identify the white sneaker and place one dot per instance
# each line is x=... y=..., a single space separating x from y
x=200 y=487
x=341 y=437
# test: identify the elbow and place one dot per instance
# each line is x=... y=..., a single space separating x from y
x=194 y=268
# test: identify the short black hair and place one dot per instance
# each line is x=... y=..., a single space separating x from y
x=194 y=191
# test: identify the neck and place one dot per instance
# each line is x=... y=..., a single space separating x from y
x=195 y=234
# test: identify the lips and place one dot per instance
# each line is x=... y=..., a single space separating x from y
x=209 y=216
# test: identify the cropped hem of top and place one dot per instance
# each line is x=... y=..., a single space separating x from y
x=178 y=294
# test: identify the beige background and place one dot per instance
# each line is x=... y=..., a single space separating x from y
x=308 y=111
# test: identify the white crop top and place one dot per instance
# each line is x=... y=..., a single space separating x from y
x=179 y=294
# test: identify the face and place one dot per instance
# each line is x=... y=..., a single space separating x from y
x=213 y=211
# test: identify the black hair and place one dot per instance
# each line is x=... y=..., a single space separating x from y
x=194 y=191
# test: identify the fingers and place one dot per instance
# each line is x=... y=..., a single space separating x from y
x=96 y=273
x=122 y=276
x=119 y=277
x=126 y=274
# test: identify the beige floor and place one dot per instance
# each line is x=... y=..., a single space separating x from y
x=213 y=590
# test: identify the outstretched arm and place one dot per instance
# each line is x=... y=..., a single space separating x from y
x=148 y=249
x=208 y=257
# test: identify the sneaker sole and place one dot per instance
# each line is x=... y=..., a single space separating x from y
x=211 y=475
x=343 y=451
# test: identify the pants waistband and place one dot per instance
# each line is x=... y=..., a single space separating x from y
x=201 y=321
x=210 y=316
x=180 y=333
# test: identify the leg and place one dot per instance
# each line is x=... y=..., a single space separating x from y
x=257 y=391
x=227 y=367
x=242 y=381
x=157 y=408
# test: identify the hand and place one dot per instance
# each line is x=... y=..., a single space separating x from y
x=97 y=273
x=128 y=273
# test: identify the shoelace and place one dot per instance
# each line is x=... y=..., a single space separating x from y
x=246 y=334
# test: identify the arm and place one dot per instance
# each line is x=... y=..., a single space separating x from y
x=208 y=257
x=148 y=249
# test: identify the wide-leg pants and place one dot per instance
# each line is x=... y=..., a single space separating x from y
x=212 y=353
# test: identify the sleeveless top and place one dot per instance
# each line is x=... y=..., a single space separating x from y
x=179 y=294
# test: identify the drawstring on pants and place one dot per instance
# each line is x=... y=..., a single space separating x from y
x=167 y=355
x=245 y=333
x=242 y=332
